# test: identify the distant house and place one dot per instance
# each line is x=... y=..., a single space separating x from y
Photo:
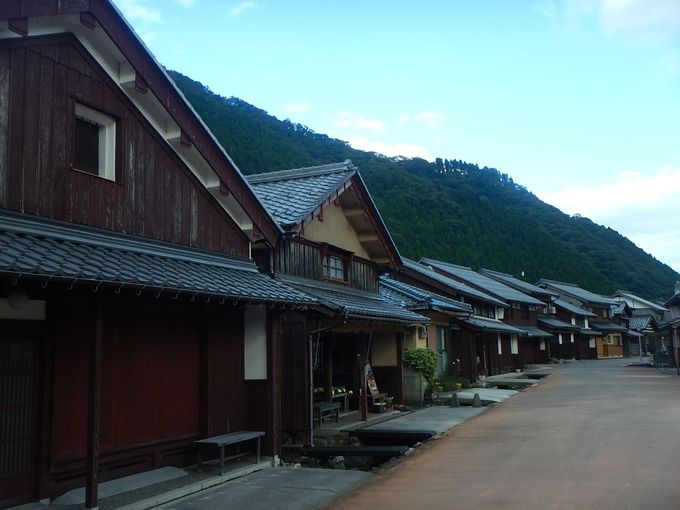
x=484 y=344
x=442 y=312
x=593 y=313
x=132 y=320
x=640 y=316
x=671 y=323
x=548 y=338
x=333 y=247
x=521 y=314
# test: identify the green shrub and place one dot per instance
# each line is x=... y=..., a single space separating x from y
x=425 y=361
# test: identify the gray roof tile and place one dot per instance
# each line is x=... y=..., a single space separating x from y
x=459 y=287
x=40 y=249
x=577 y=292
x=577 y=310
x=492 y=325
x=412 y=297
x=356 y=304
x=504 y=292
x=291 y=195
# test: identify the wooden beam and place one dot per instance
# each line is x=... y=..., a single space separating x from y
x=19 y=26
x=353 y=212
x=367 y=238
x=94 y=400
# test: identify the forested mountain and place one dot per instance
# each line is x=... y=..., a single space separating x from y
x=449 y=210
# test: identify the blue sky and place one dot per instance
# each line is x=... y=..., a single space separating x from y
x=579 y=100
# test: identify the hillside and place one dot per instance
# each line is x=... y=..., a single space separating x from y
x=449 y=210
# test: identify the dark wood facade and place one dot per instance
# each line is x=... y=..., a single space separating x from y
x=170 y=373
x=115 y=383
x=303 y=258
x=154 y=194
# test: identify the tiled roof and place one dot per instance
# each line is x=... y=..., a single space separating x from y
x=33 y=248
x=619 y=308
x=605 y=326
x=552 y=323
x=533 y=332
x=291 y=195
x=639 y=322
x=577 y=292
x=519 y=284
x=638 y=302
x=459 y=287
x=414 y=298
x=354 y=303
x=492 y=325
x=589 y=332
x=577 y=310
x=505 y=292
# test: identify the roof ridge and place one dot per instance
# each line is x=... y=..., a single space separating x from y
x=309 y=171
x=449 y=264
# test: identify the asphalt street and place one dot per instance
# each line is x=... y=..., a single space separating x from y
x=595 y=435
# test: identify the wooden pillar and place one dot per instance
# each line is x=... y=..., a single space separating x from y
x=361 y=361
x=328 y=347
x=400 y=365
x=275 y=359
x=95 y=379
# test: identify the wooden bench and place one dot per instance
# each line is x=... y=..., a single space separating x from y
x=325 y=409
x=228 y=439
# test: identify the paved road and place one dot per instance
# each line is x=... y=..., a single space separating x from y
x=596 y=435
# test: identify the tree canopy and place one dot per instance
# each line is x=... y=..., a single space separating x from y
x=447 y=209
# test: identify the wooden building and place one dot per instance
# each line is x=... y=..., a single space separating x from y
x=671 y=323
x=599 y=336
x=529 y=346
x=132 y=321
x=641 y=318
x=482 y=342
x=333 y=247
x=438 y=335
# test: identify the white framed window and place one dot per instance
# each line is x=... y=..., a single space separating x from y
x=255 y=343
x=571 y=338
x=334 y=267
x=514 y=345
x=591 y=343
x=541 y=345
x=500 y=344
x=559 y=338
x=95 y=142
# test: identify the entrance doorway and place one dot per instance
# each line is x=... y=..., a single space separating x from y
x=19 y=369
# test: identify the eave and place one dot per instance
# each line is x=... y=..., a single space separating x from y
x=102 y=30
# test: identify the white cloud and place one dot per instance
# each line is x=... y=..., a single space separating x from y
x=547 y=8
x=186 y=3
x=403 y=119
x=301 y=107
x=357 y=121
x=398 y=149
x=641 y=20
x=137 y=10
x=240 y=8
x=641 y=207
x=639 y=14
x=431 y=120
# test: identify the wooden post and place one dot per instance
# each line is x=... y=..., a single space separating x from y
x=92 y=466
x=400 y=365
x=363 y=399
x=328 y=347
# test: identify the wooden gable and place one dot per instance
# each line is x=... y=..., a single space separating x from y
x=108 y=67
x=349 y=221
